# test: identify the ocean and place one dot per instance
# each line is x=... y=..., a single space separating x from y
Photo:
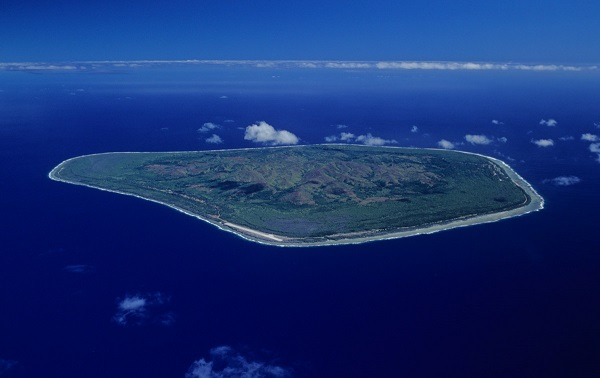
x=96 y=284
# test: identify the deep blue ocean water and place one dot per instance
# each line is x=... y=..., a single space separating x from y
x=516 y=298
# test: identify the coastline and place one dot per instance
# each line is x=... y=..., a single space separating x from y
x=536 y=203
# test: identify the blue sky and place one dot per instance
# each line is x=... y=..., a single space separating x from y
x=508 y=31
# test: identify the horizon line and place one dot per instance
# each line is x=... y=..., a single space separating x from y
x=431 y=65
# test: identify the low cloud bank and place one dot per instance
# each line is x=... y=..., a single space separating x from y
x=368 y=139
x=103 y=66
x=225 y=362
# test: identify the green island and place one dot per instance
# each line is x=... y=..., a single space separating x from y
x=317 y=194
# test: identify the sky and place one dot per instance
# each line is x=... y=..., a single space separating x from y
x=526 y=31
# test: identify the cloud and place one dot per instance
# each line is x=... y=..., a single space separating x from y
x=472 y=66
x=371 y=140
x=6 y=365
x=307 y=65
x=563 y=180
x=368 y=139
x=595 y=148
x=347 y=65
x=214 y=139
x=503 y=139
x=549 y=122
x=441 y=66
x=223 y=97
x=42 y=67
x=597 y=124
x=496 y=122
x=79 y=268
x=265 y=133
x=446 y=144
x=414 y=129
x=346 y=137
x=504 y=156
x=113 y=66
x=208 y=126
x=227 y=363
x=589 y=137
x=478 y=139
x=141 y=309
x=543 y=142
x=566 y=138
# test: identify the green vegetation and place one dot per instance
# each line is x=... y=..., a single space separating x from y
x=310 y=193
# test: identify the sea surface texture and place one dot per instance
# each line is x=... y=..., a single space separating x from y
x=96 y=284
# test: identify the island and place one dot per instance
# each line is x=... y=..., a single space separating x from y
x=315 y=195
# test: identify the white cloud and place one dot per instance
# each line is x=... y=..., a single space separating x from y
x=471 y=66
x=341 y=126
x=40 y=67
x=503 y=139
x=347 y=65
x=597 y=124
x=346 y=137
x=441 y=66
x=414 y=129
x=208 y=126
x=566 y=138
x=478 y=139
x=548 y=122
x=371 y=140
x=496 y=122
x=6 y=365
x=265 y=133
x=134 y=303
x=214 y=139
x=79 y=268
x=563 y=180
x=307 y=65
x=141 y=309
x=368 y=139
x=595 y=148
x=224 y=97
x=589 y=137
x=227 y=363
x=543 y=142
x=103 y=66
x=504 y=156
x=446 y=144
